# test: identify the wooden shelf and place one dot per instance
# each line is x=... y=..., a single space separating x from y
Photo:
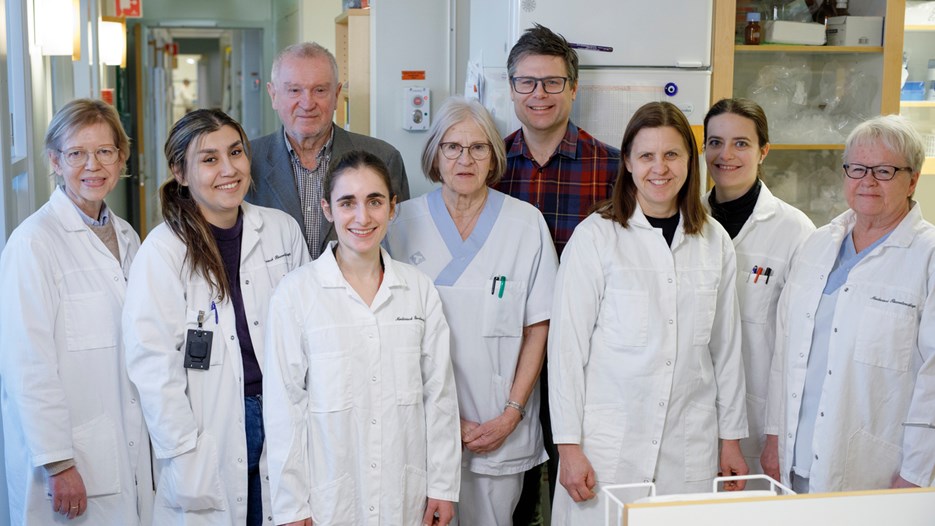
x=352 y=45
x=788 y=48
x=922 y=27
x=917 y=104
x=774 y=146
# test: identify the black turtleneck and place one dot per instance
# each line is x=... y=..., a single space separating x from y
x=733 y=214
x=667 y=224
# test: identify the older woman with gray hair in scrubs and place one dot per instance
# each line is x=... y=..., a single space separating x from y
x=852 y=386
x=492 y=260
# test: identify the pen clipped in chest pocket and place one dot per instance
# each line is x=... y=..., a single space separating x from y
x=504 y=306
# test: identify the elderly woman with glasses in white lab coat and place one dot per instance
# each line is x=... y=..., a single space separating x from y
x=852 y=385
x=75 y=443
x=494 y=264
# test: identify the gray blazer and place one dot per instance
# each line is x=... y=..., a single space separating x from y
x=274 y=183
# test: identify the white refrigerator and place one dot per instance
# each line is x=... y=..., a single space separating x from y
x=630 y=52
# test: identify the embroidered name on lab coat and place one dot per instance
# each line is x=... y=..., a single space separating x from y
x=893 y=300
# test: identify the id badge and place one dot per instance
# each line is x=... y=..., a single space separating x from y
x=198 y=349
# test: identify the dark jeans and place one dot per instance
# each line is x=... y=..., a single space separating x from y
x=253 y=425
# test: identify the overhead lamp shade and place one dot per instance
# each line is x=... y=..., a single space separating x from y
x=112 y=42
x=55 y=27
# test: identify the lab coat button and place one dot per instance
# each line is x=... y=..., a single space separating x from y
x=670 y=280
x=133 y=400
x=373 y=465
x=846 y=289
x=816 y=457
x=645 y=480
x=671 y=322
x=240 y=460
x=115 y=278
x=373 y=378
x=232 y=337
x=247 y=282
x=822 y=413
x=371 y=508
x=668 y=362
x=808 y=315
x=655 y=442
x=794 y=395
x=662 y=404
x=789 y=435
x=132 y=443
x=374 y=421
x=239 y=499
x=801 y=355
x=829 y=371
x=255 y=323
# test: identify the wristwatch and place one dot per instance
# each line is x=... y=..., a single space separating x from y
x=518 y=406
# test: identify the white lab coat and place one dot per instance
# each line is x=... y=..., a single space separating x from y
x=768 y=239
x=361 y=412
x=645 y=367
x=195 y=417
x=65 y=391
x=881 y=360
x=512 y=240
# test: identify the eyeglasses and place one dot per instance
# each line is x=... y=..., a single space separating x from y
x=551 y=85
x=78 y=157
x=478 y=151
x=883 y=172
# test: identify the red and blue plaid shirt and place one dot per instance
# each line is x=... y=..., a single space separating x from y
x=581 y=172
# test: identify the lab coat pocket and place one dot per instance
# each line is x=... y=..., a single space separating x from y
x=624 y=317
x=705 y=306
x=414 y=495
x=603 y=430
x=90 y=321
x=871 y=462
x=95 y=447
x=329 y=385
x=335 y=503
x=700 y=436
x=192 y=481
x=886 y=335
x=407 y=366
x=755 y=300
x=503 y=313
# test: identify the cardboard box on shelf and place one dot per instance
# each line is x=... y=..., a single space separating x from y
x=785 y=32
x=855 y=30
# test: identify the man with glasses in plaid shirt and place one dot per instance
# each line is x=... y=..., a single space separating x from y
x=557 y=167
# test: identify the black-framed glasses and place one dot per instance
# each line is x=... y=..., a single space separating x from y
x=478 y=151
x=882 y=172
x=78 y=157
x=551 y=85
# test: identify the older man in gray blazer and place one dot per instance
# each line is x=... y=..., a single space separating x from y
x=289 y=165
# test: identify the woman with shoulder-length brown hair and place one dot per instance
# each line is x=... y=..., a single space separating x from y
x=645 y=371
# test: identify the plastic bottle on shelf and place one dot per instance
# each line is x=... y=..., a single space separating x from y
x=751 y=33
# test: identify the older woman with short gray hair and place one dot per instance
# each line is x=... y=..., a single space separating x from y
x=492 y=259
x=853 y=380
